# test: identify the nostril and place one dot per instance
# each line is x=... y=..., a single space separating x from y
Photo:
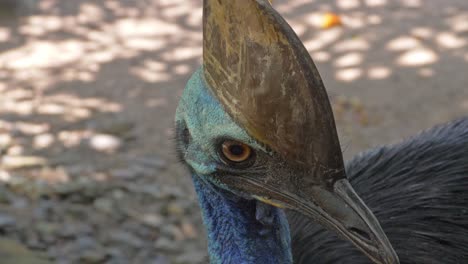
x=362 y=234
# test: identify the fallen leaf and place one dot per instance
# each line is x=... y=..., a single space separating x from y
x=330 y=20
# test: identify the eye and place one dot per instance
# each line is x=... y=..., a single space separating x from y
x=234 y=151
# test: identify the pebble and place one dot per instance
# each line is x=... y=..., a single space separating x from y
x=152 y=162
x=189 y=230
x=6 y=221
x=105 y=205
x=175 y=209
x=167 y=245
x=5 y=195
x=173 y=232
x=75 y=229
x=192 y=257
x=132 y=172
x=84 y=221
x=152 y=220
x=114 y=127
x=86 y=243
x=47 y=228
x=158 y=260
x=126 y=238
x=93 y=256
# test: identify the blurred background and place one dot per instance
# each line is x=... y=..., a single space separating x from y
x=88 y=91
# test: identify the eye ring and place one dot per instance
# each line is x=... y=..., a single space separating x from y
x=235 y=152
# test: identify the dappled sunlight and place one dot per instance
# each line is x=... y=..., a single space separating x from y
x=422 y=32
x=72 y=108
x=96 y=104
x=375 y=3
x=43 y=141
x=40 y=25
x=403 y=43
x=290 y=6
x=104 y=143
x=349 y=59
x=95 y=40
x=182 y=69
x=418 y=57
x=63 y=46
x=450 y=40
x=27 y=128
x=176 y=8
x=378 y=72
x=416 y=46
x=361 y=20
x=155 y=103
x=152 y=71
x=348 y=75
x=458 y=23
x=42 y=54
x=385 y=50
x=159 y=41
x=182 y=54
x=36 y=135
x=323 y=39
x=5 y=34
x=321 y=56
x=348 y=4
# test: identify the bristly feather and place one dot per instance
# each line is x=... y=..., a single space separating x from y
x=177 y=139
x=418 y=189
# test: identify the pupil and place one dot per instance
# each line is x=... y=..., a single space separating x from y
x=236 y=150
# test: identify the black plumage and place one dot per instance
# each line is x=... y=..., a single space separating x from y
x=418 y=189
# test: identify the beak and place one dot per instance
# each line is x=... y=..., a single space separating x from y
x=340 y=210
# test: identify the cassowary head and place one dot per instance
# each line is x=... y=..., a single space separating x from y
x=255 y=121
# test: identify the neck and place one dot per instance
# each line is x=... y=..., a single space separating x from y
x=241 y=230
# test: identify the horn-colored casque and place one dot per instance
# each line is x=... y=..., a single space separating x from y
x=260 y=71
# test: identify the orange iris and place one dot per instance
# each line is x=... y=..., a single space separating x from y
x=236 y=151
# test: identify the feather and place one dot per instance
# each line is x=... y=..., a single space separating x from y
x=418 y=189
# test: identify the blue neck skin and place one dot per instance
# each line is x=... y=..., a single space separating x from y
x=234 y=233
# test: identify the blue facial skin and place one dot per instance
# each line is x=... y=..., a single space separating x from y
x=240 y=229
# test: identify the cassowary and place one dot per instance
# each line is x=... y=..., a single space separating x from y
x=255 y=128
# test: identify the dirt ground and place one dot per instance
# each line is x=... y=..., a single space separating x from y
x=88 y=91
